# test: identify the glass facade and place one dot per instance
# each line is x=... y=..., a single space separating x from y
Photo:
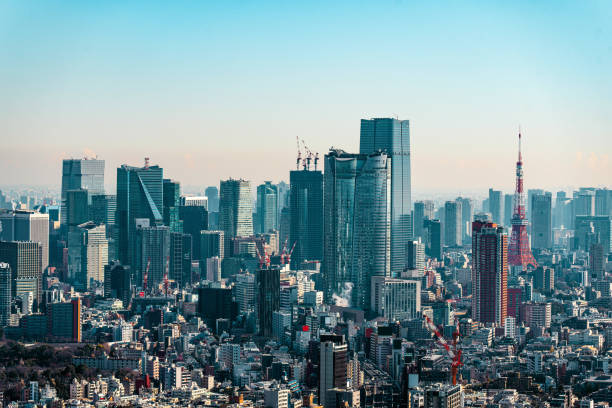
x=306 y=219
x=267 y=207
x=79 y=174
x=372 y=227
x=139 y=196
x=393 y=137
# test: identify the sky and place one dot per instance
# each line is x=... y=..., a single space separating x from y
x=212 y=90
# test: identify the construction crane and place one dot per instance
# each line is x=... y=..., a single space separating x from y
x=288 y=256
x=263 y=259
x=284 y=252
x=146 y=276
x=299 y=154
x=453 y=352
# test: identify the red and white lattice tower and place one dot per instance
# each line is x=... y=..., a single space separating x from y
x=519 y=252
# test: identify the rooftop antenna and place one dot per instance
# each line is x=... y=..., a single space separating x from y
x=299 y=155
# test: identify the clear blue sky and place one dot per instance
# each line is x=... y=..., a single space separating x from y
x=215 y=89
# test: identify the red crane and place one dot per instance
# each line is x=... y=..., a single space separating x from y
x=284 y=252
x=263 y=259
x=288 y=256
x=453 y=352
x=146 y=276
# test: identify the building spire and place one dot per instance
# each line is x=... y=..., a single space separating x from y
x=520 y=157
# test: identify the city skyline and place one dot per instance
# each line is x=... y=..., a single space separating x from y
x=202 y=95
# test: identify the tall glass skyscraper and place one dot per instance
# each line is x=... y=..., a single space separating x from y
x=235 y=210
x=341 y=169
x=306 y=219
x=87 y=174
x=372 y=227
x=393 y=137
x=139 y=196
x=267 y=207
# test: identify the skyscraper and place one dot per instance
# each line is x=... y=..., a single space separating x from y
x=195 y=220
x=267 y=208
x=171 y=191
x=25 y=260
x=489 y=273
x=139 y=196
x=180 y=259
x=452 y=223
x=603 y=201
x=496 y=205
x=508 y=203
x=305 y=216
x=393 y=137
x=433 y=239
x=212 y=193
x=153 y=249
x=64 y=320
x=235 y=210
x=103 y=211
x=211 y=244
x=593 y=229
x=5 y=294
x=372 y=227
x=332 y=366
x=415 y=256
x=467 y=215
x=94 y=252
x=77 y=174
x=77 y=207
x=423 y=210
x=341 y=170
x=118 y=282
x=27 y=225
x=541 y=219
x=268 y=282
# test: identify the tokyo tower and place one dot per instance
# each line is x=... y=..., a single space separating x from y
x=519 y=252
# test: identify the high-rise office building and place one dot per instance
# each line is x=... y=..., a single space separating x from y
x=496 y=205
x=139 y=196
x=597 y=261
x=81 y=174
x=583 y=202
x=77 y=207
x=489 y=273
x=530 y=193
x=467 y=216
x=211 y=244
x=171 y=192
x=423 y=210
x=433 y=238
x=452 y=224
x=235 y=210
x=372 y=227
x=268 y=286
x=415 y=256
x=198 y=201
x=195 y=220
x=25 y=260
x=341 y=170
x=267 y=208
x=544 y=279
x=395 y=299
x=27 y=225
x=5 y=294
x=212 y=193
x=94 y=253
x=332 y=366
x=508 y=207
x=593 y=229
x=153 y=249
x=180 y=259
x=305 y=216
x=443 y=396
x=393 y=137
x=103 y=210
x=65 y=320
x=118 y=282
x=603 y=201
x=215 y=303
x=541 y=221
x=246 y=292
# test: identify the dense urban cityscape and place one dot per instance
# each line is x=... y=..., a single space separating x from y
x=332 y=289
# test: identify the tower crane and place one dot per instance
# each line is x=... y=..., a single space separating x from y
x=288 y=256
x=453 y=352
